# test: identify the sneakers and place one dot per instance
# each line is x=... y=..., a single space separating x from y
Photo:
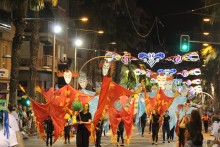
x=156 y=143
x=168 y=141
x=163 y=141
x=122 y=145
x=152 y=143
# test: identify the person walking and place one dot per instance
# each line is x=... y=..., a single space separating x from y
x=166 y=126
x=194 y=135
x=206 y=122
x=143 y=123
x=172 y=133
x=84 y=119
x=120 y=133
x=49 y=130
x=67 y=130
x=98 y=133
x=155 y=119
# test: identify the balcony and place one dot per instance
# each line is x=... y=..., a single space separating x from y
x=43 y=64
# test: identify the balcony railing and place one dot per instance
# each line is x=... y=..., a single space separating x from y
x=42 y=63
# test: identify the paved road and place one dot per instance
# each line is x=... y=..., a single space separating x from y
x=136 y=141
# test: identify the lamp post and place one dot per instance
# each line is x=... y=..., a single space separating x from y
x=78 y=42
x=57 y=29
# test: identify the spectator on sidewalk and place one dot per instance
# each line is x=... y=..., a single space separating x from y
x=194 y=135
x=206 y=122
x=14 y=126
x=7 y=135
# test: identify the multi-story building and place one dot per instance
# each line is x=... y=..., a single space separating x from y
x=6 y=36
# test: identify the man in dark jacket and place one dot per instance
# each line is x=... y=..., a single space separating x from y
x=49 y=130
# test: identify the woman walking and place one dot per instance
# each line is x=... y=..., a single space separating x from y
x=194 y=135
x=155 y=119
x=84 y=118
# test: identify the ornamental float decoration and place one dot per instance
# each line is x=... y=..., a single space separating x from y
x=195 y=71
x=175 y=59
x=184 y=73
x=167 y=71
x=126 y=58
x=151 y=58
x=191 y=56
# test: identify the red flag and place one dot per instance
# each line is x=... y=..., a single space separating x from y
x=127 y=117
x=102 y=99
x=116 y=91
x=163 y=102
x=115 y=118
x=42 y=111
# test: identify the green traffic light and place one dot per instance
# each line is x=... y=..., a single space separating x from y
x=184 y=47
x=28 y=102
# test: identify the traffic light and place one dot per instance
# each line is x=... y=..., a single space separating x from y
x=184 y=43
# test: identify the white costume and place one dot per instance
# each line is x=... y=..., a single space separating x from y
x=215 y=126
x=13 y=124
x=10 y=141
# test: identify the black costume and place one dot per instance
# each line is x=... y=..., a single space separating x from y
x=49 y=130
x=98 y=133
x=82 y=136
x=120 y=132
x=155 y=126
x=143 y=122
x=166 y=127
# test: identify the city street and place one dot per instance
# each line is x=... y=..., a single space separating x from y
x=136 y=141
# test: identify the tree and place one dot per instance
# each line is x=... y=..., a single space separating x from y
x=212 y=71
x=35 y=7
x=19 y=9
x=114 y=18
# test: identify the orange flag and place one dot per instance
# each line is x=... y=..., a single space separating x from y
x=102 y=99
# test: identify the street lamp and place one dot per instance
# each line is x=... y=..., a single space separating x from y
x=77 y=43
x=56 y=30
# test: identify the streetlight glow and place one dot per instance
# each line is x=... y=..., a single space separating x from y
x=206 y=19
x=101 y=32
x=206 y=33
x=57 y=29
x=78 y=42
x=84 y=19
x=205 y=44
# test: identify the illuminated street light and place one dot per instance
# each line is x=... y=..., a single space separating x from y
x=84 y=19
x=56 y=29
x=78 y=42
x=205 y=44
x=206 y=20
x=100 y=32
x=206 y=33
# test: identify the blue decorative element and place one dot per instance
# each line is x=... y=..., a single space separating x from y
x=151 y=58
x=140 y=111
x=88 y=92
x=167 y=71
x=118 y=105
x=159 y=71
x=6 y=123
x=93 y=104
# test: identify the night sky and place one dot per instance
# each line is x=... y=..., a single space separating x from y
x=173 y=23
